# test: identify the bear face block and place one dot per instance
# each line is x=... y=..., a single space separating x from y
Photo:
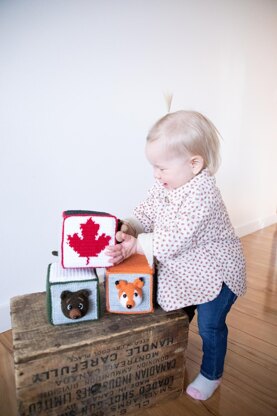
x=75 y=305
x=85 y=235
x=72 y=295
x=129 y=286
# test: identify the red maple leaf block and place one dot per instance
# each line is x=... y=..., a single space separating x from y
x=88 y=245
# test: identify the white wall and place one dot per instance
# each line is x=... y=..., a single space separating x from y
x=81 y=82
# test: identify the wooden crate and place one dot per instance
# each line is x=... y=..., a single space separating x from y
x=114 y=366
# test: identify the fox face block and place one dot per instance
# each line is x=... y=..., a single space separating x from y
x=129 y=286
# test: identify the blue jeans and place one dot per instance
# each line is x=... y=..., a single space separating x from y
x=213 y=331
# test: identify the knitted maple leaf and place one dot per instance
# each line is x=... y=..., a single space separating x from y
x=88 y=245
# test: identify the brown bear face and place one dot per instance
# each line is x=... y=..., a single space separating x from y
x=75 y=305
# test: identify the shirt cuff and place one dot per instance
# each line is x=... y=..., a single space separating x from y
x=145 y=242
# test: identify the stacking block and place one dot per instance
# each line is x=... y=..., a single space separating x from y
x=85 y=235
x=114 y=366
x=129 y=286
x=72 y=295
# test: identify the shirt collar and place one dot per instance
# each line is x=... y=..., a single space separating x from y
x=179 y=193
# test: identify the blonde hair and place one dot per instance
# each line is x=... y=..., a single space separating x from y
x=189 y=132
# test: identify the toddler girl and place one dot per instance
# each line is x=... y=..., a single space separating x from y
x=184 y=225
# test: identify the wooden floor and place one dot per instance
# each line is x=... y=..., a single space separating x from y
x=249 y=385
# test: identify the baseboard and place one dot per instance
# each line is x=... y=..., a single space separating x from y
x=256 y=225
x=5 y=321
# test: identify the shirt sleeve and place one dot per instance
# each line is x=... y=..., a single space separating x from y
x=181 y=234
x=145 y=241
x=145 y=212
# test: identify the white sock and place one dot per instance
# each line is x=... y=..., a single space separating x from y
x=202 y=388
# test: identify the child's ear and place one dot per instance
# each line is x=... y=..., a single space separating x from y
x=197 y=164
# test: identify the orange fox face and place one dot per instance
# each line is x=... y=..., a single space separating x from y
x=130 y=294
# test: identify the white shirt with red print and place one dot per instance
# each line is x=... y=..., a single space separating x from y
x=193 y=242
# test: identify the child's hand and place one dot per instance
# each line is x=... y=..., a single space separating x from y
x=122 y=251
x=124 y=228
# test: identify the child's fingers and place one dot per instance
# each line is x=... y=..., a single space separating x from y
x=113 y=250
x=124 y=228
x=122 y=236
x=126 y=237
x=118 y=236
x=117 y=258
